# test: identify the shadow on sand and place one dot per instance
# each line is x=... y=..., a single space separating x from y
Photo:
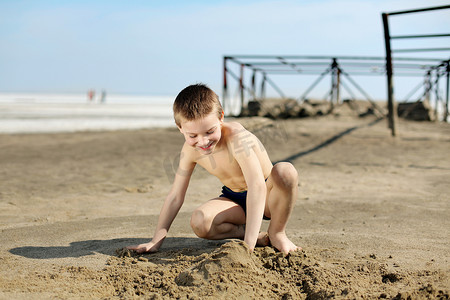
x=108 y=247
x=327 y=142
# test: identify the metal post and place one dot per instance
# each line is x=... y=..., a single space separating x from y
x=447 y=92
x=225 y=84
x=333 y=83
x=338 y=85
x=428 y=86
x=254 y=84
x=241 y=87
x=263 y=87
x=437 y=100
x=390 y=84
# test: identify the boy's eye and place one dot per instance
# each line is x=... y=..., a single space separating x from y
x=192 y=136
x=210 y=132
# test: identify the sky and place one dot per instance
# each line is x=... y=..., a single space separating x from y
x=159 y=47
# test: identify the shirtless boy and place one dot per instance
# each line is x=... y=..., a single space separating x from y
x=253 y=188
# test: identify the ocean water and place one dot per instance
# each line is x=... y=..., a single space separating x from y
x=47 y=113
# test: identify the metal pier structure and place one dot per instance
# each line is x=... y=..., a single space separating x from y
x=252 y=74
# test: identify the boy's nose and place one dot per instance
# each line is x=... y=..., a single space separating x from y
x=204 y=141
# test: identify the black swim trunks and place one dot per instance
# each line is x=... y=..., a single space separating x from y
x=239 y=198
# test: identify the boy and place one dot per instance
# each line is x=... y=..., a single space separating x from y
x=253 y=188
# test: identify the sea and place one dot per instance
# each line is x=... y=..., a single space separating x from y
x=51 y=113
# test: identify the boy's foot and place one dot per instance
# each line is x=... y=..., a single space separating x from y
x=263 y=239
x=280 y=241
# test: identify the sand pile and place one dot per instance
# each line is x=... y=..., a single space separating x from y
x=231 y=271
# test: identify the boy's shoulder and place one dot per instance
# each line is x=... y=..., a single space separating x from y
x=235 y=135
x=233 y=128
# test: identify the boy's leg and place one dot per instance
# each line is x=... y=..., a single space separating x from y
x=219 y=218
x=282 y=191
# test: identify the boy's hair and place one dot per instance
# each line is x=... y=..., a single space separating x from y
x=195 y=102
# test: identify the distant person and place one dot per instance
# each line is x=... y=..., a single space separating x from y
x=253 y=188
x=103 y=97
x=91 y=95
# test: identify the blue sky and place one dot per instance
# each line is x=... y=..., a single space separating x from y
x=159 y=47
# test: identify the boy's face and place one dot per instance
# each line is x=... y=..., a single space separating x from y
x=203 y=134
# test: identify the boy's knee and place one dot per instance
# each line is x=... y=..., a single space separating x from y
x=285 y=174
x=199 y=224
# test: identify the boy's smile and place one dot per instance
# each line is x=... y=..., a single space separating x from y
x=203 y=134
x=208 y=147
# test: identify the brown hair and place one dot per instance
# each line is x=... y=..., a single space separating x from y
x=195 y=102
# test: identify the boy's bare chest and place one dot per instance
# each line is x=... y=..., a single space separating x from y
x=220 y=164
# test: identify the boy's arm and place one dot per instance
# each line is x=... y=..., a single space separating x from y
x=171 y=206
x=244 y=150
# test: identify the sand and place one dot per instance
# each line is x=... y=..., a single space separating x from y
x=372 y=216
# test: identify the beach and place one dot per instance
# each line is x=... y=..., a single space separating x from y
x=53 y=113
x=372 y=215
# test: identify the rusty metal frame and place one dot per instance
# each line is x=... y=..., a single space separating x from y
x=389 y=59
x=342 y=70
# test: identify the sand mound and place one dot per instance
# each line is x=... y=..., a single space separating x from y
x=231 y=256
x=231 y=271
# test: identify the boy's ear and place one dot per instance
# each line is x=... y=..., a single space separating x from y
x=222 y=117
x=180 y=129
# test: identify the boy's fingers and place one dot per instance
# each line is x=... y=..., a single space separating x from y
x=141 y=248
x=137 y=248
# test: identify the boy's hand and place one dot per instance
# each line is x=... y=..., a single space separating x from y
x=149 y=247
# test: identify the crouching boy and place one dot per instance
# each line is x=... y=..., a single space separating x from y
x=253 y=188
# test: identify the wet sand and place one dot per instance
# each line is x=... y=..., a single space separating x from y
x=372 y=215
